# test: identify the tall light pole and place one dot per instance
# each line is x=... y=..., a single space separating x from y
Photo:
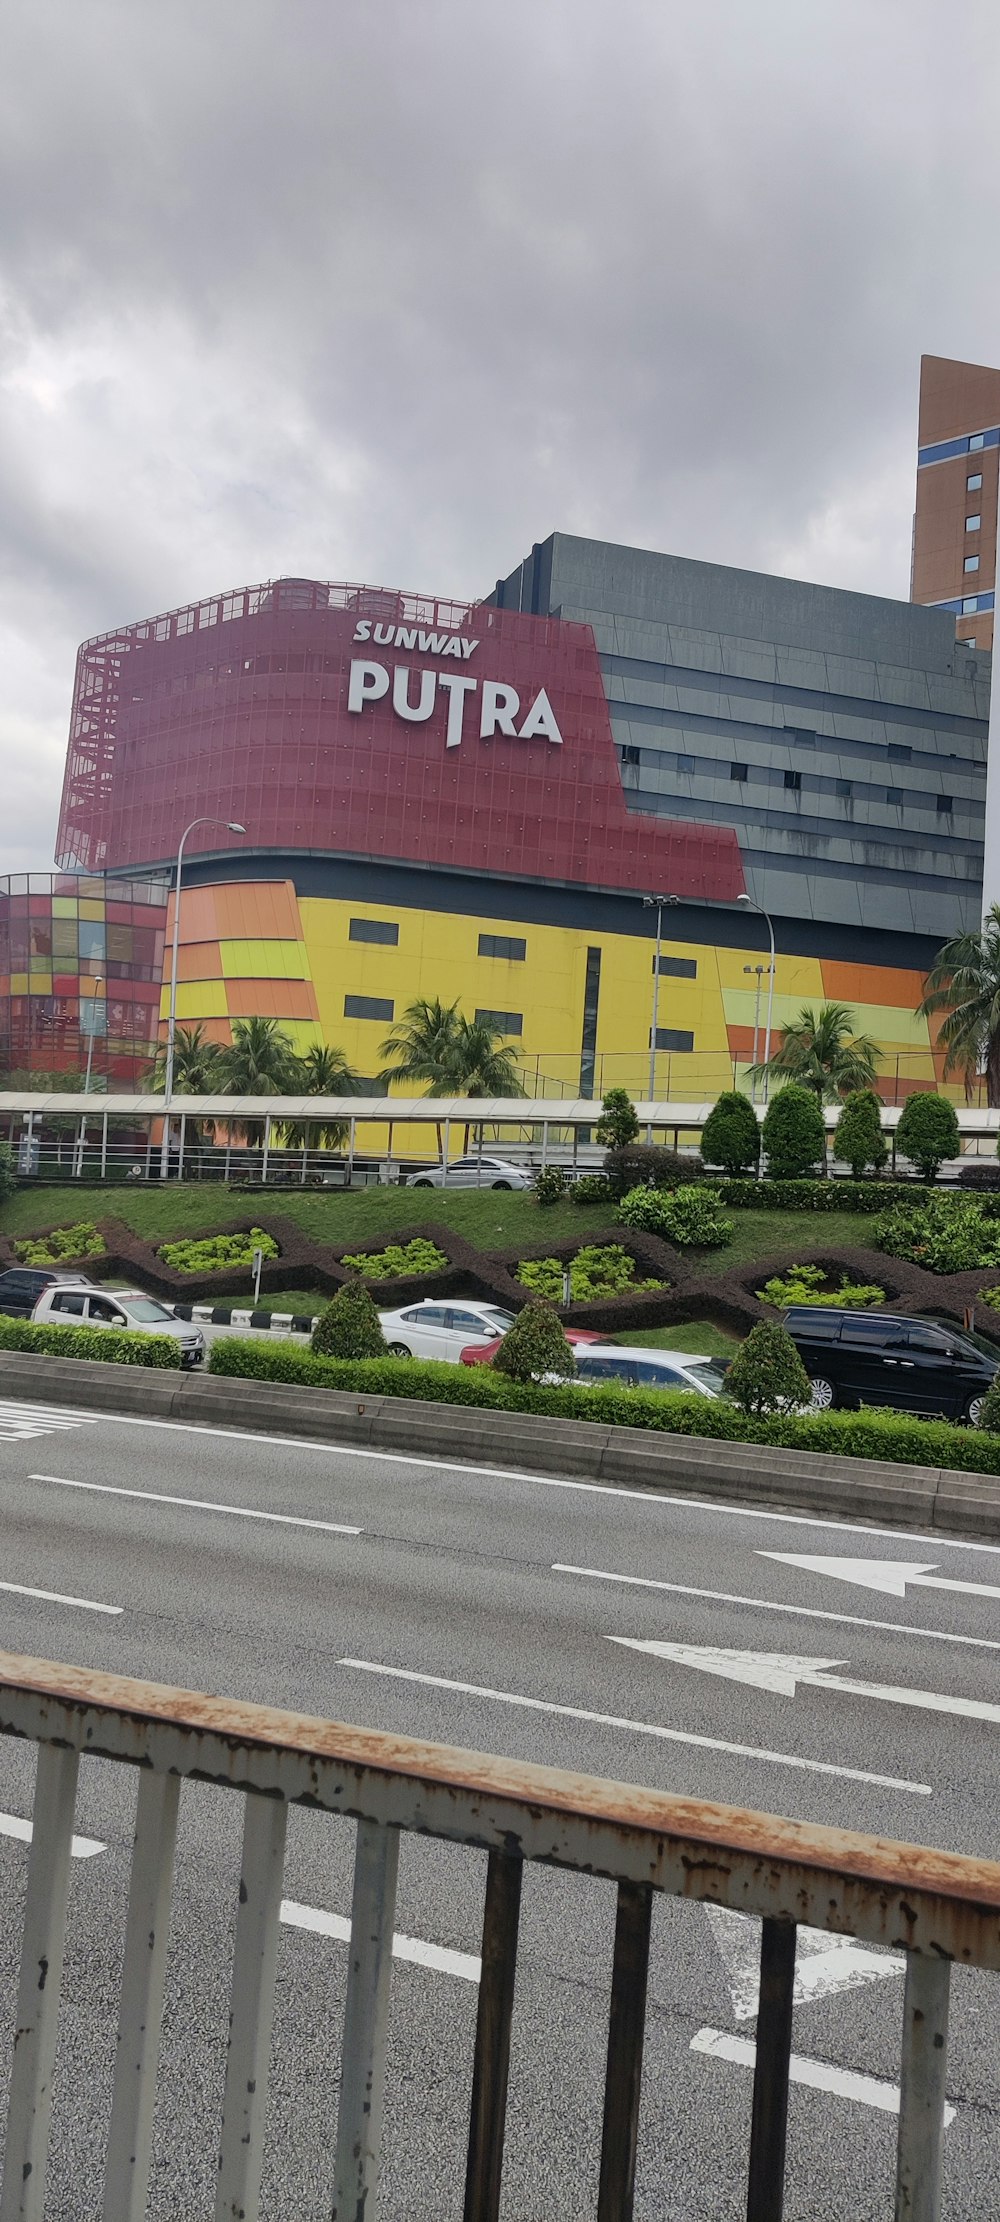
x=747 y=903
x=168 y=1073
x=760 y=970
x=659 y=903
x=99 y=981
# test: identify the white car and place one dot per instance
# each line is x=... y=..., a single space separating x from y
x=639 y=1368
x=434 y=1330
x=472 y=1172
x=73 y=1306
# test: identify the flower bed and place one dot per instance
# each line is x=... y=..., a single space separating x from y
x=598 y=1270
x=397 y=1260
x=812 y=1284
x=61 y=1245
x=214 y=1251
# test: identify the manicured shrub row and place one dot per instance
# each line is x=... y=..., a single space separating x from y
x=891 y=1436
x=62 y=1243
x=817 y=1195
x=103 y=1343
x=397 y=1260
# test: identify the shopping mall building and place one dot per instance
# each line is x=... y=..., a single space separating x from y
x=472 y=800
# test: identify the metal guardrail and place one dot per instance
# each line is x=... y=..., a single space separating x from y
x=938 y=1908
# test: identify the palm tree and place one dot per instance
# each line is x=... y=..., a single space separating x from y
x=820 y=1050
x=423 y=1046
x=323 y=1071
x=964 y=981
x=196 y=1063
x=486 y=1065
x=259 y=1061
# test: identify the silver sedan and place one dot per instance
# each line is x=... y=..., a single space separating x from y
x=472 y=1172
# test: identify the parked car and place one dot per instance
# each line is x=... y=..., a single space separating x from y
x=482 y=1353
x=472 y=1172
x=22 y=1285
x=434 y=1330
x=69 y=1305
x=640 y=1368
x=915 y=1365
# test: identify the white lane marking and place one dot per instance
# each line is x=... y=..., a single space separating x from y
x=197 y=1504
x=824 y=1964
x=21 y=1422
x=892 y=1576
x=865 y=2090
x=549 y=1481
x=638 y=1728
x=783 y=1672
x=438 y=1956
x=82 y=1847
x=54 y=1597
x=771 y=1604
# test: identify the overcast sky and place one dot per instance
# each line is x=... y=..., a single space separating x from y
x=388 y=289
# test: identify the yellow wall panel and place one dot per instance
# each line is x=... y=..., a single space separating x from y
x=264 y=960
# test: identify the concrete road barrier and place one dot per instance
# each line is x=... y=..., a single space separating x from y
x=746 y=1473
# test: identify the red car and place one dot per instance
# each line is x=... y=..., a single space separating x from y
x=480 y=1353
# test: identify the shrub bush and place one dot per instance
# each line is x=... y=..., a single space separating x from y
x=989 y=1416
x=618 y=1123
x=928 y=1133
x=81 y=1241
x=899 y=1437
x=693 y=1218
x=859 y=1141
x=350 y=1326
x=591 y=1188
x=217 y=1250
x=806 y=1284
x=535 y=1345
x=979 y=1175
x=793 y=1133
x=598 y=1270
x=645 y=1165
x=111 y=1348
x=767 y=1374
x=7 y=1171
x=550 y=1186
x=816 y=1195
x=945 y=1234
x=731 y=1136
x=398 y=1260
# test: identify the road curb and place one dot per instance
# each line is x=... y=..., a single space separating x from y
x=746 y=1473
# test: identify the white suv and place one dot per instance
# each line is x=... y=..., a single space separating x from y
x=65 y=1306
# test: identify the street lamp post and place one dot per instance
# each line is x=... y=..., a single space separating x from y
x=760 y=970
x=98 y=983
x=748 y=903
x=659 y=903
x=168 y=1072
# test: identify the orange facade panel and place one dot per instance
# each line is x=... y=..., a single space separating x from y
x=271 y=999
x=196 y=960
x=897 y=988
x=245 y=910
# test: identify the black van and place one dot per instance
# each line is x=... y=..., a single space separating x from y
x=917 y=1365
x=22 y=1285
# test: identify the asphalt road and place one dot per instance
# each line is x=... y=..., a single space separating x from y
x=499 y=1611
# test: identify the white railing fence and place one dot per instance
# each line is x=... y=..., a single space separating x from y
x=939 y=1909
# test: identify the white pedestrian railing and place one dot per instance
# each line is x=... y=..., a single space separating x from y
x=938 y=1908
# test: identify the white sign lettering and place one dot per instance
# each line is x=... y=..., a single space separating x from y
x=499 y=709
x=409 y=636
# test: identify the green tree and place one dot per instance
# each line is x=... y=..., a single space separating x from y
x=732 y=1134
x=618 y=1123
x=928 y=1133
x=259 y=1061
x=767 y=1374
x=859 y=1141
x=196 y=1063
x=535 y=1345
x=793 y=1133
x=7 y=1174
x=821 y=1051
x=423 y=1046
x=323 y=1071
x=350 y=1326
x=964 y=983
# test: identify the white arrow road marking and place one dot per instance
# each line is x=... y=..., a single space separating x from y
x=775 y=1605
x=824 y=1964
x=82 y=1847
x=892 y=1576
x=867 y=2090
x=438 y=1956
x=783 y=1671
x=639 y=1728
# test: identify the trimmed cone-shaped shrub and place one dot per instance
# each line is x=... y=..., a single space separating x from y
x=619 y=1124
x=793 y=1133
x=928 y=1133
x=859 y=1141
x=535 y=1346
x=732 y=1136
x=350 y=1326
x=767 y=1374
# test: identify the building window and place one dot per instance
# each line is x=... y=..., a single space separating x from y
x=793 y=782
x=588 y=1041
x=976 y=440
x=899 y=752
x=685 y=763
x=502 y=1022
x=972 y=524
x=503 y=945
x=801 y=738
x=628 y=755
x=971 y=563
x=677 y=968
x=673 y=1037
x=894 y=795
x=738 y=771
x=970 y=605
x=373 y=929
x=945 y=805
x=973 y=484
x=367 y=1006
x=843 y=788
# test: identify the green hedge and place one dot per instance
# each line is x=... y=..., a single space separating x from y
x=217 y=1250
x=894 y=1436
x=113 y=1348
x=819 y=1195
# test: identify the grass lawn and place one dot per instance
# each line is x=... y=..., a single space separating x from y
x=806 y=1234
x=698 y=1336
x=491 y=1218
